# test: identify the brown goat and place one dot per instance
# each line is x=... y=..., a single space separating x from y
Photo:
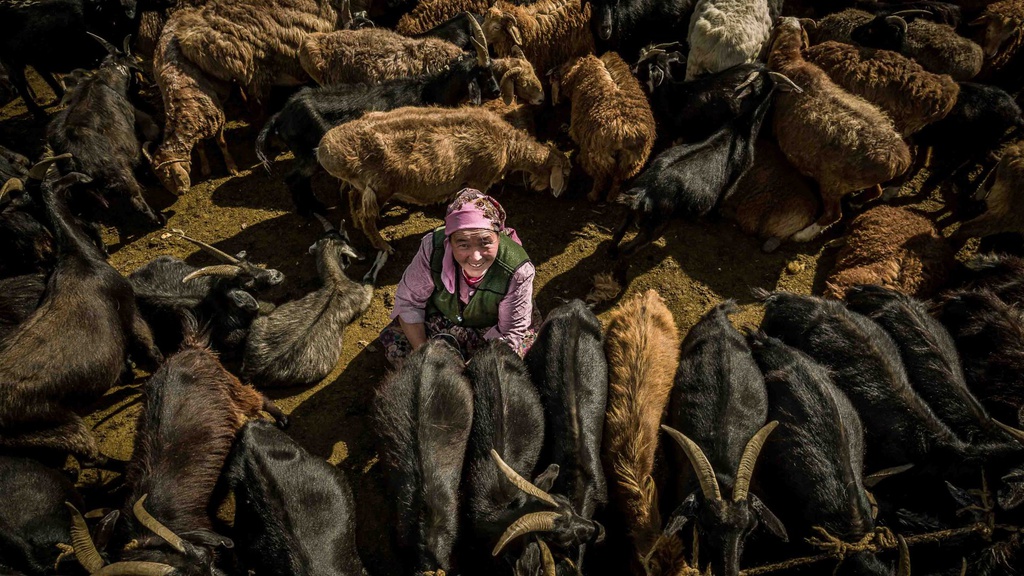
x=430 y=13
x=425 y=155
x=1004 y=202
x=772 y=200
x=611 y=119
x=642 y=345
x=372 y=55
x=895 y=248
x=837 y=26
x=1002 y=40
x=192 y=111
x=900 y=87
x=840 y=140
x=550 y=32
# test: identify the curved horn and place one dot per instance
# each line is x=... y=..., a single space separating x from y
x=85 y=550
x=1016 y=434
x=10 y=186
x=526 y=524
x=479 y=40
x=221 y=270
x=38 y=172
x=126 y=46
x=135 y=569
x=782 y=79
x=209 y=249
x=146 y=153
x=914 y=12
x=701 y=465
x=516 y=52
x=111 y=49
x=547 y=561
x=520 y=482
x=903 y=568
x=749 y=459
x=156 y=527
x=898 y=21
x=168 y=162
x=328 y=227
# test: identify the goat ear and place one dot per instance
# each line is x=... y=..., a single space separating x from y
x=557 y=181
x=682 y=515
x=101 y=535
x=244 y=300
x=546 y=479
x=770 y=521
x=208 y=538
x=474 y=93
x=350 y=252
x=508 y=87
x=805 y=39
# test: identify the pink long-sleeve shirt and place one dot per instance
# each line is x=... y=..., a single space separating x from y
x=514 y=312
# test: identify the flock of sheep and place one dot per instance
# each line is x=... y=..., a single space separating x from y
x=856 y=426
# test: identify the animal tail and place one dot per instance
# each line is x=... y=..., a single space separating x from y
x=261 y=140
x=192 y=334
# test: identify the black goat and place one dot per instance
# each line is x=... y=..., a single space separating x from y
x=300 y=341
x=294 y=512
x=98 y=129
x=901 y=427
x=220 y=296
x=35 y=524
x=568 y=365
x=930 y=358
x=12 y=165
x=626 y=26
x=311 y=112
x=814 y=462
x=50 y=36
x=30 y=244
x=943 y=12
x=693 y=111
x=20 y=296
x=86 y=301
x=717 y=415
x=456 y=30
x=1000 y=274
x=424 y=413
x=193 y=409
x=688 y=180
x=989 y=335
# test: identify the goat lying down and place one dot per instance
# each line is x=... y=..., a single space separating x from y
x=425 y=155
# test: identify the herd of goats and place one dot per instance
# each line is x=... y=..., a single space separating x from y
x=869 y=431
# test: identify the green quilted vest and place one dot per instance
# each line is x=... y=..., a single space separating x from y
x=482 y=309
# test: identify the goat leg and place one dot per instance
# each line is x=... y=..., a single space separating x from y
x=139 y=203
x=613 y=250
x=228 y=159
x=54 y=84
x=300 y=184
x=142 y=344
x=832 y=213
x=595 y=190
x=279 y=416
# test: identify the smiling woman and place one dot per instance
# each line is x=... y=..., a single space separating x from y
x=471 y=281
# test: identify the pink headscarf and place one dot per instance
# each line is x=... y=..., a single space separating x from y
x=471 y=210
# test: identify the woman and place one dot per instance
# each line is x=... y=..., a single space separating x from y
x=475 y=257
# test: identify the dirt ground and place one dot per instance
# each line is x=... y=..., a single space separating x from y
x=695 y=266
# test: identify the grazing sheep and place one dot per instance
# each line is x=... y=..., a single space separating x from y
x=550 y=32
x=1002 y=40
x=900 y=87
x=724 y=33
x=772 y=200
x=425 y=155
x=517 y=79
x=937 y=47
x=192 y=111
x=611 y=119
x=371 y=55
x=836 y=27
x=429 y=14
x=840 y=140
x=252 y=44
x=1004 y=200
x=895 y=248
x=642 y=344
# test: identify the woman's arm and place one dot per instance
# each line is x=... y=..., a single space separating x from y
x=416 y=287
x=515 y=312
x=416 y=332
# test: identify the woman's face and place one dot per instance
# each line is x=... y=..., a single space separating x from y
x=475 y=250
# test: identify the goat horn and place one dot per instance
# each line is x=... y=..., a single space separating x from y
x=915 y=12
x=746 y=468
x=209 y=249
x=85 y=550
x=705 y=473
x=781 y=78
x=533 y=522
x=517 y=52
x=146 y=153
x=154 y=525
x=904 y=565
x=107 y=45
x=479 y=40
x=38 y=172
x=547 y=561
x=135 y=569
x=328 y=227
x=221 y=270
x=520 y=482
x=1016 y=434
x=127 y=45
x=11 y=185
x=748 y=80
x=177 y=161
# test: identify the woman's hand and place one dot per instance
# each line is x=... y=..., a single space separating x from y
x=416 y=333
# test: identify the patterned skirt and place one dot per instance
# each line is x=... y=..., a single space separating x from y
x=466 y=340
